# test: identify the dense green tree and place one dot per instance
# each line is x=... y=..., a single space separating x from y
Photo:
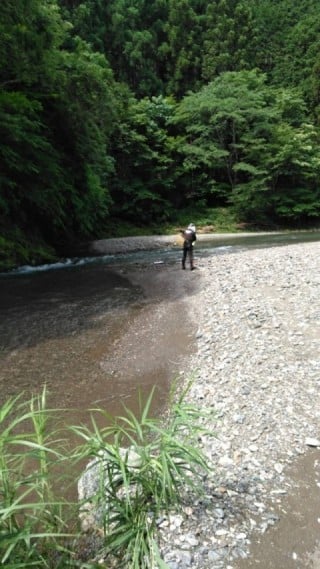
x=31 y=33
x=87 y=133
x=56 y=119
x=278 y=37
x=214 y=120
x=286 y=188
x=82 y=119
x=129 y=34
x=183 y=46
x=230 y=38
x=295 y=168
x=31 y=172
x=301 y=54
x=29 y=64
x=247 y=144
x=143 y=187
x=154 y=46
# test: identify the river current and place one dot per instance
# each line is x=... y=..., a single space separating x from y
x=61 y=324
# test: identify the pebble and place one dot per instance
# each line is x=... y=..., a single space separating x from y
x=257 y=363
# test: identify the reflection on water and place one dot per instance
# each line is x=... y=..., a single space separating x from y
x=56 y=328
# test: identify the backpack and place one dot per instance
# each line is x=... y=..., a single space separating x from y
x=189 y=237
x=189 y=234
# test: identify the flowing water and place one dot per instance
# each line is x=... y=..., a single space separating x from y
x=68 y=325
x=95 y=337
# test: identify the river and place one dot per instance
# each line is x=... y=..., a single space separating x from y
x=98 y=330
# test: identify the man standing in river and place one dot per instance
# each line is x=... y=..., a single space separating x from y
x=189 y=238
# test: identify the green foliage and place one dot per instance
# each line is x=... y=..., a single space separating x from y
x=31 y=174
x=287 y=39
x=220 y=220
x=220 y=121
x=128 y=34
x=142 y=187
x=16 y=249
x=248 y=143
x=57 y=111
x=297 y=167
x=33 y=530
x=182 y=48
x=144 y=468
x=31 y=34
x=230 y=38
x=288 y=190
x=86 y=133
x=82 y=120
x=206 y=220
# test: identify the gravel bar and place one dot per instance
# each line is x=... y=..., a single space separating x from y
x=257 y=364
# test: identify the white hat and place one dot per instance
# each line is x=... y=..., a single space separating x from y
x=192 y=227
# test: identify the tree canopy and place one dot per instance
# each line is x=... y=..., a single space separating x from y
x=130 y=109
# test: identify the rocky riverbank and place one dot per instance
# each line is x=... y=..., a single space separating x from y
x=257 y=363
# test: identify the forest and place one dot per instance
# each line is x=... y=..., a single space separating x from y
x=131 y=111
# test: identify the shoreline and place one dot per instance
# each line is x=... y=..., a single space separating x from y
x=115 y=245
x=257 y=363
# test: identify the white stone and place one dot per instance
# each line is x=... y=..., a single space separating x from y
x=312 y=442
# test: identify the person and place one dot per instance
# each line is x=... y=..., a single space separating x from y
x=189 y=237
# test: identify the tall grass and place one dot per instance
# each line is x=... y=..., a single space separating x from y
x=32 y=526
x=144 y=467
x=140 y=466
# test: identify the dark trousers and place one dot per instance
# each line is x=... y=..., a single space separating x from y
x=187 y=252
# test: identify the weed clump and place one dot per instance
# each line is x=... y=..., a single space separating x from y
x=139 y=468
